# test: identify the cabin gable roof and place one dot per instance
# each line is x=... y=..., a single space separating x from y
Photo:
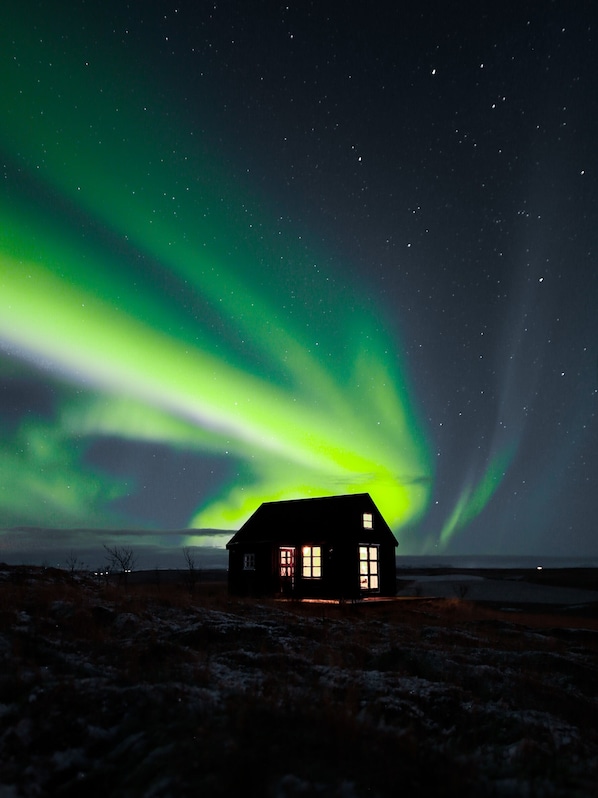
x=334 y=518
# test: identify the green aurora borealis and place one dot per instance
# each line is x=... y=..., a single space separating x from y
x=167 y=301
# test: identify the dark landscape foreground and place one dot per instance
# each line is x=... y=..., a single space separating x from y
x=164 y=688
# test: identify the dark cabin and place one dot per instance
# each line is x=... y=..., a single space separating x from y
x=337 y=547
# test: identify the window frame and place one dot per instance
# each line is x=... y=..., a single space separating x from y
x=311 y=561
x=369 y=567
x=287 y=560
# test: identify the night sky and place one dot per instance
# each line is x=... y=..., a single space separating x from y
x=253 y=251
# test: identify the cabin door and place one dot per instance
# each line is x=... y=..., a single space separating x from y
x=287 y=569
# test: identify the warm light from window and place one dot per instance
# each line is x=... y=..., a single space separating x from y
x=368 y=568
x=312 y=562
x=368 y=521
x=287 y=563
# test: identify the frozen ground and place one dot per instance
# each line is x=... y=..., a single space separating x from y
x=150 y=690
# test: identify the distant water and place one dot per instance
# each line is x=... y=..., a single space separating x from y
x=494 y=561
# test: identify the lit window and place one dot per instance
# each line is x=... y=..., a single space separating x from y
x=287 y=563
x=368 y=521
x=369 y=559
x=249 y=562
x=312 y=562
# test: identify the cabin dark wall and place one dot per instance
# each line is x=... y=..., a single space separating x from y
x=388 y=570
x=261 y=581
x=340 y=572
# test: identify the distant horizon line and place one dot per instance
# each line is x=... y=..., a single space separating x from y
x=507 y=561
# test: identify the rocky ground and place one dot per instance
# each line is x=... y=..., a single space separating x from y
x=174 y=689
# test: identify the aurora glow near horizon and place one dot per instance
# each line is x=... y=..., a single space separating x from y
x=165 y=307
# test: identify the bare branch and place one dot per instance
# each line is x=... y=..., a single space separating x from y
x=121 y=558
x=192 y=574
